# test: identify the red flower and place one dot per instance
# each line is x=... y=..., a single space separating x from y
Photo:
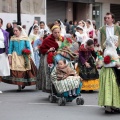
x=26 y=54
x=26 y=51
x=39 y=46
x=32 y=42
x=107 y=59
x=69 y=40
x=91 y=34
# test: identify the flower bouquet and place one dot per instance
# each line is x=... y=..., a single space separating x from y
x=26 y=53
x=109 y=61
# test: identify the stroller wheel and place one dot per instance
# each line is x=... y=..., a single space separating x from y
x=79 y=101
x=51 y=99
x=63 y=101
x=60 y=101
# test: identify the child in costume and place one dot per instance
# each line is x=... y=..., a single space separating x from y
x=63 y=71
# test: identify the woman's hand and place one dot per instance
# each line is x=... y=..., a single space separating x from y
x=87 y=65
x=10 y=60
x=117 y=64
x=66 y=48
x=51 y=49
x=36 y=48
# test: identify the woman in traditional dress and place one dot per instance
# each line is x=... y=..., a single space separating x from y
x=44 y=29
x=34 y=35
x=87 y=66
x=62 y=27
x=90 y=29
x=36 y=46
x=35 y=38
x=4 y=40
x=51 y=43
x=23 y=70
x=109 y=92
x=83 y=25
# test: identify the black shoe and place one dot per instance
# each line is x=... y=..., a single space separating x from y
x=19 y=88
x=117 y=110
x=23 y=87
x=109 y=112
x=70 y=95
x=74 y=95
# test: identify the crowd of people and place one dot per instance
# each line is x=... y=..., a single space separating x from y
x=29 y=58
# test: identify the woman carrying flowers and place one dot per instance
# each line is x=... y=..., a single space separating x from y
x=23 y=70
x=109 y=92
x=47 y=49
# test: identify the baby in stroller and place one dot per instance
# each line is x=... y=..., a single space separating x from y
x=66 y=85
x=63 y=71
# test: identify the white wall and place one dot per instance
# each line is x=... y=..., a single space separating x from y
x=26 y=19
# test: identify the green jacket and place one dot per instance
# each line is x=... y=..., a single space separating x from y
x=103 y=34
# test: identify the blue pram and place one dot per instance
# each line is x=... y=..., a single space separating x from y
x=59 y=89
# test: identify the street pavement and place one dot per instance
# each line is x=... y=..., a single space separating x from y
x=30 y=104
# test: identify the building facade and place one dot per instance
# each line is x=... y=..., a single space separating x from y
x=101 y=7
x=82 y=10
x=70 y=9
x=50 y=10
x=30 y=10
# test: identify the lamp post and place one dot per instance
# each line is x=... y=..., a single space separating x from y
x=19 y=12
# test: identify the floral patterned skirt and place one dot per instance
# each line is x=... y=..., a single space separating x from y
x=90 y=84
x=90 y=76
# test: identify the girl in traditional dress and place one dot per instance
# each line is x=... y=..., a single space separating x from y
x=109 y=92
x=81 y=34
x=4 y=40
x=87 y=66
x=23 y=70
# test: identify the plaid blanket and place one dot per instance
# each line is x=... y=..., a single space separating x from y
x=67 y=84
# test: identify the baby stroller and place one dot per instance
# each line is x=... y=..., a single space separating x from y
x=59 y=89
